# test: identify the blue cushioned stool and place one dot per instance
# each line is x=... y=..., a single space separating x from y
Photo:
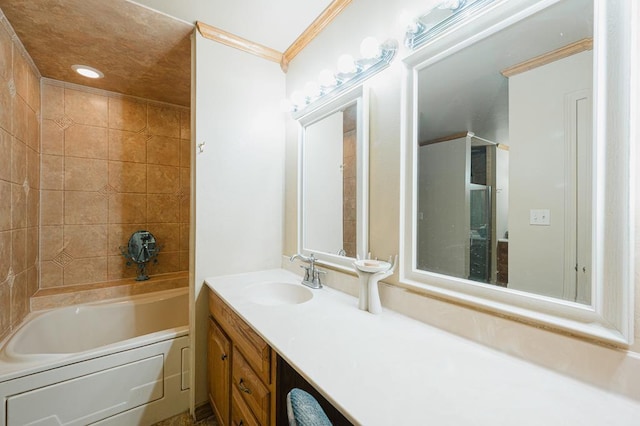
x=304 y=410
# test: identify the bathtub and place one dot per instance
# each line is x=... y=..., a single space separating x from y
x=118 y=362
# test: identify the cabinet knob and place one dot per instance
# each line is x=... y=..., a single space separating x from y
x=243 y=388
x=224 y=356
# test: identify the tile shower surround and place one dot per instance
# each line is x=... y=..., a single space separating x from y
x=111 y=165
x=19 y=179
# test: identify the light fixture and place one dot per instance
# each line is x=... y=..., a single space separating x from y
x=350 y=72
x=440 y=18
x=87 y=71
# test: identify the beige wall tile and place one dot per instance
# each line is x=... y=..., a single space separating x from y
x=5 y=305
x=19 y=301
x=52 y=207
x=166 y=234
x=33 y=130
x=85 y=174
x=18 y=207
x=6 y=55
x=184 y=210
x=19 y=250
x=128 y=208
x=163 y=179
x=162 y=208
x=118 y=268
x=33 y=99
x=184 y=260
x=185 y=124
x=33 y=280
x=5 y=254
x=52 y=171
x=5 y=155
x=52 y=101
x=84 y=208
x=50 y=274
x=19 y=122
x=20 y=74
x=127 y=146
x=33 y=237
x=86 y=141
x=163 y=150
x=86 y=108
x=185 y=153
x=84 y=271
x=163 y=121
x=5 y=207
x=119 y=234
x=51 y=243
x=52 y=138
x=128 y=177
x=81 y=241
x=33 y=168
x=167 y=262
x=33 y=207
x=5 y=111
x=127 y=114
x=184 y=236
x=18 y=161
x=185 y=179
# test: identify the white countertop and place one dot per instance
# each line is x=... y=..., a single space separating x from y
x=388 y=369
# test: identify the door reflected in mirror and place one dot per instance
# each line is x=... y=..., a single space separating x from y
x=505 y=155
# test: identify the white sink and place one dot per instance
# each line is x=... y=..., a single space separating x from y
x=277 y=293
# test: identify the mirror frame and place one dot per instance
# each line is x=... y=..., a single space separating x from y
x=610 y=316
x=359 y=96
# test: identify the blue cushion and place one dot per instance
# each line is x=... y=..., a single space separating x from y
x=304 y=410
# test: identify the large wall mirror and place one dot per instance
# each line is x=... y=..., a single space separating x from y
x=333 y=160
x=512 y=201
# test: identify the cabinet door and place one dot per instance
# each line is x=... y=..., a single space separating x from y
x=219 y=371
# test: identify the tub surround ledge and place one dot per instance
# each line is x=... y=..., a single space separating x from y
x=390 y=369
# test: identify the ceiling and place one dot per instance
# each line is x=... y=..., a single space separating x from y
x=144 y=48
x=475 y=96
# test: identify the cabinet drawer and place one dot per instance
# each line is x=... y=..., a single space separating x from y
x=240 y=413
x=251 y=389
x=256 y=351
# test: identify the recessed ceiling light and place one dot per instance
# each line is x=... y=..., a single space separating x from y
x=87 y=71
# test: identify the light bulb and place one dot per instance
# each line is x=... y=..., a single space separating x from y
x=346 y=64
x=87 y=71
x=326 y=78
x=370 y=48
x=298 y=99
x=312 y=89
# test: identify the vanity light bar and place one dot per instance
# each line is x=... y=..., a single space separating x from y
x=429 y=25
x=350 y=73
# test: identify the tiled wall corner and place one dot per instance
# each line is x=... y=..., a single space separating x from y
x=111 y=165
x=19 y=179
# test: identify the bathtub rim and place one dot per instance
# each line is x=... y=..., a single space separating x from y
x=30 y=364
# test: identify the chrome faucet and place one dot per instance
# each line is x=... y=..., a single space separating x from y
x=311 y=273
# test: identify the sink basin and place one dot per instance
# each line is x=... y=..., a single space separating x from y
x=276 y=293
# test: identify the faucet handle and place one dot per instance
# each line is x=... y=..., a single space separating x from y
x=316 y=277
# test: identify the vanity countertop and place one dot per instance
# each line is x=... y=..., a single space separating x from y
x=388 y=369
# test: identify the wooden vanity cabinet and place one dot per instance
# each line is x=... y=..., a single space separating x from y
x=219 y=370
x=242 y=385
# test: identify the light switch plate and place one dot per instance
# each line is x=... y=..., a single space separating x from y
x=540 y=217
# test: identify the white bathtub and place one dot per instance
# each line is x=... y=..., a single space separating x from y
x=121 y=362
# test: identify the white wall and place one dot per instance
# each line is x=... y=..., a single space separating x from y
x=537 y=180
x=614 y=369
x=238 y=178
x=323 y=148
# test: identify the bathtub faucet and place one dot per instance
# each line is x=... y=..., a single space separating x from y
x=311 y=273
